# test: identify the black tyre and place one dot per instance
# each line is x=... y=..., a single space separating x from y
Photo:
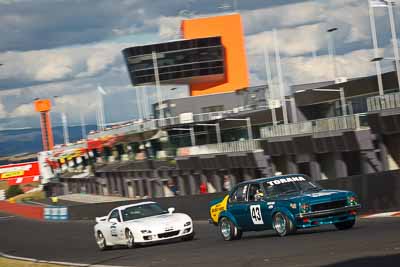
x=101 y=241
x=188 y=237
x=345 y=225
x=228 y=230
x=130 y=240
x=282 y=224
x=239 y=234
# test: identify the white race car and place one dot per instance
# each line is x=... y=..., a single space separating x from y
x=141 y=223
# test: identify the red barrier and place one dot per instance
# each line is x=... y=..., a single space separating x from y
x=27 y=211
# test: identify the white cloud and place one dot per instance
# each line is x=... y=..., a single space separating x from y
x=292 y=41
x=61 y=63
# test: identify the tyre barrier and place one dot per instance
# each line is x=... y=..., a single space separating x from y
x=2 y=194
x=55 y=213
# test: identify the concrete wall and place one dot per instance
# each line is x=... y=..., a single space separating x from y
x=376 y=192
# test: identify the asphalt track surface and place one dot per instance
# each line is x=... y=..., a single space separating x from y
x=372 y=242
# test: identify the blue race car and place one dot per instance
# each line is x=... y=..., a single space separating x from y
x=283 y=203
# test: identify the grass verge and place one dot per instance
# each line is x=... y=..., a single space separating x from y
x=4 y=262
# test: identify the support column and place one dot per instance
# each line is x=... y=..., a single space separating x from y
x=159 y=190
x=217 y=182
x=366 y=164
x=149 y=186
x=233 y=179
x=248 y=174
x=193 y=190
x=291 y=164
x=118 y=181
x=181 y=185
x=315 y=169
x=66 y=188
x=140 y=187
x=339 y=165
x=383 y=155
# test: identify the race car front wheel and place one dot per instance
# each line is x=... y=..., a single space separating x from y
x=282 y=224
x=228 y=230
x=130 y=239
x=101 y=241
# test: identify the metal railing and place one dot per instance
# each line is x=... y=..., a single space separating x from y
x=287 y=129
x=170 y=121
x=236 y=146
x=387 y=101
x=349 y=122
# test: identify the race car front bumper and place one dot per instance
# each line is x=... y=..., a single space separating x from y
x=156 y=237
x=323 y=213
x=323 y=217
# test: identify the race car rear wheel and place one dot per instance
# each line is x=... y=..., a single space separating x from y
x=130 y=239
x=228 y=229
x=345 y=225
x=101 y=241
x=282 y=224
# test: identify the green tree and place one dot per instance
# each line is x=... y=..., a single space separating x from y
x=13 y=191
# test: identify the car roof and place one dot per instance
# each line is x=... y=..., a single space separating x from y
x=135 y=204
x=266 y=179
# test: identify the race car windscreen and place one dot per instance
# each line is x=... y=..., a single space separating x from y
x=142 y=211
x=289 y=185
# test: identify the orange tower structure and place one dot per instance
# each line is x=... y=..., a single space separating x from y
x=43 y=106
x=230 y=28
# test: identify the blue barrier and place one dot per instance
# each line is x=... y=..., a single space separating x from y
x=56 y=213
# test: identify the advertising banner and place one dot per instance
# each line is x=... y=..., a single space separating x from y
x=20 y=173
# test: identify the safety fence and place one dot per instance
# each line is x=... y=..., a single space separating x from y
x=27 y=211
x=228 y=147
x=56 y=213
x=37 y=212
x=349 y=122
x=387 y=101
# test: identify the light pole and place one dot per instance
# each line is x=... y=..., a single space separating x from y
x=64 y=121
x=280 y=76
x=191 y=130
x=269 y=85
x=293 y=108
x=389 y=5
x=157 y=78
x=377 y=60
x=101 y=117
x=375 y=44
x=248 y=124
x=332 y=50
x=217 y=130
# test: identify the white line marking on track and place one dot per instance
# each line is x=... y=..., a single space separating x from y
x=55 y=262
x=382 y=215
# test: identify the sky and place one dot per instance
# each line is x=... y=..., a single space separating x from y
x=64 y=49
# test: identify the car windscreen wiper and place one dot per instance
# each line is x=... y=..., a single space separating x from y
x=290 y=191
x=313 y=189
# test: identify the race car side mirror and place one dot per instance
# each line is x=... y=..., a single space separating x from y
x=171 y=210
x=113 y=220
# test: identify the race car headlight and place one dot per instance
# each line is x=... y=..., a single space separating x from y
x=352 y=201
x=145 y=231
x=304 y=208
x=187 y=224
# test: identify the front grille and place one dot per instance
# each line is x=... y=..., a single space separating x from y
x=329 y=205
x=169 y=234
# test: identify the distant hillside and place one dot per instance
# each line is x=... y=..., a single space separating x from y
x=21 y=141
